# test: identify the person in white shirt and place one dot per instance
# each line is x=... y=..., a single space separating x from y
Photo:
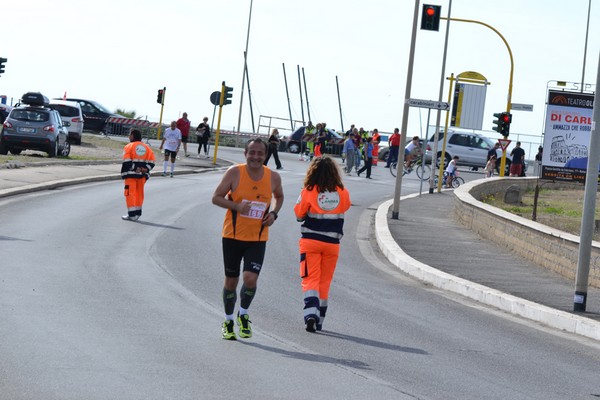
x=171 y=142
x=450 y=172
x=411 y=150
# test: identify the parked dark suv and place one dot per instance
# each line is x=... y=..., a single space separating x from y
x=94 y=115
x=33 y=125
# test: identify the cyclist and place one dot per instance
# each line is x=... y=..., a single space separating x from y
x=450 y=172
x=412 y=149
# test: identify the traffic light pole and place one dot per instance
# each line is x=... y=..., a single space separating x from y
x=510 y=81
x=162 y=107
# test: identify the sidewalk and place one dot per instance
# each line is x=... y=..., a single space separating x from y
x=39 y=176
x=424 y=242
x=427 y=243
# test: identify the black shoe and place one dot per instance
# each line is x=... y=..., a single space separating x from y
x=310 y=324
x=357 y=173
x=368 y=177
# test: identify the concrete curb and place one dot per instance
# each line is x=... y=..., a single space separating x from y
x=87 y=179
x=506 y=302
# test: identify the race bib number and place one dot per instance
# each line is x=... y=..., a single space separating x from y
x=257 y=209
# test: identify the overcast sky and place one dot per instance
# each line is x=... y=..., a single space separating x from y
x=120 y=53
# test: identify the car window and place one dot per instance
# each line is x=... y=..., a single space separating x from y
x=441 y=136
x=30 y=115
x=478 y=142
x=66 y=111
x=459 y=139
x=87 y=107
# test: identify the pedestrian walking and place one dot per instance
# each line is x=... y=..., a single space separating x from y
x=183 y=124
x=368 y=154
x=247 y=192
x=171 y=142
x=350 y=152
x=138 y=161
x=203 y=136
x=320 y=207
x=274 y=148
x=518 y=158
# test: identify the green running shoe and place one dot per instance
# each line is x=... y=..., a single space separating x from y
x=244 y=322
x=228 y=333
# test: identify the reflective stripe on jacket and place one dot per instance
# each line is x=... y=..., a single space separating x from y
x=322 y=214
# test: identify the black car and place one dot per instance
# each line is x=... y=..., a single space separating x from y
x=334 y=144
x=94 y=115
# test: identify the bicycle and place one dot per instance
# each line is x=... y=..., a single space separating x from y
x=456 y=181
x=423 y=170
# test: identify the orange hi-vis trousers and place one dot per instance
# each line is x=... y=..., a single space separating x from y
x=317 y=265
x=134 y=195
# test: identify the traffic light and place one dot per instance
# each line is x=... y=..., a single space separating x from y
x=159 y=97
x=506 y=120
x=430 y=17
x=227 y=95
x=498 y=122
x=2 y=61
x=502 y=124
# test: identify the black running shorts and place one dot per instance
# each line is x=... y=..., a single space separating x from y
x=253 y=254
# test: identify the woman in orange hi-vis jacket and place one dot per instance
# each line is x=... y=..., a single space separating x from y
x=138 y=160
x=321 y=207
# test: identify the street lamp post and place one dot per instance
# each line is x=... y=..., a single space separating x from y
x=245 y=69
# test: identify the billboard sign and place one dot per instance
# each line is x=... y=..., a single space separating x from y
x=568 y=127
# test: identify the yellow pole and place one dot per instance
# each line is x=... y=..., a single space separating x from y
x=218 y=132
x=510 y=80
x=162 y=106
x=443 y=160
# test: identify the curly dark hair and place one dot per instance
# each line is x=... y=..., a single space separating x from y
x=324 y=173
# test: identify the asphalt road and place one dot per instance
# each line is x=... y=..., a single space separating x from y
x=93 y=307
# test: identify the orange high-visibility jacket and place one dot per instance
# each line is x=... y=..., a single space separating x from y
x=322 y=213
x=137 y=155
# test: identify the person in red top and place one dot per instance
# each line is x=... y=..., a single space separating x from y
x=320 y=207
x=394 y=142
x=183 y=124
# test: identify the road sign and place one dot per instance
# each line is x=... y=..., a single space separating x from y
x=215 y=97
x=504 y=143
x=521 y=107
x=439 y=105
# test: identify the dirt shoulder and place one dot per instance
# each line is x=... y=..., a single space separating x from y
x=96 y=148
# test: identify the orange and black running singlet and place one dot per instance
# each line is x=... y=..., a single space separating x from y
x=249 y=227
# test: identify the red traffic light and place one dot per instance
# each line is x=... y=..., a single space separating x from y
x=430 y=17
x=506 y=119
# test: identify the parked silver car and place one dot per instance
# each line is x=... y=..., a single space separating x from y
x=472 y=148
x=35 y=126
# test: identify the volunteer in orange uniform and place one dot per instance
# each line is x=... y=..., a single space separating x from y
x=138 y=160
x=376 y=139
x=321 y=207
x=246 y=191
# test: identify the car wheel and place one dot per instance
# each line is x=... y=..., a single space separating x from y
x=3 y=148
x=53 y=149
x=66 y=149
x=383 y=154
x=438 y=161
x=16 y=152
x=293 y=147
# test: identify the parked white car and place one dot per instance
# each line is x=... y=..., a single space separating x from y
x=70 y=111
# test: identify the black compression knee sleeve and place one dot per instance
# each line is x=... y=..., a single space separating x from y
x=229 y=299
x=246 y=296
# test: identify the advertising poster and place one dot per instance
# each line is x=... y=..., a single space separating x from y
x=567 y=135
